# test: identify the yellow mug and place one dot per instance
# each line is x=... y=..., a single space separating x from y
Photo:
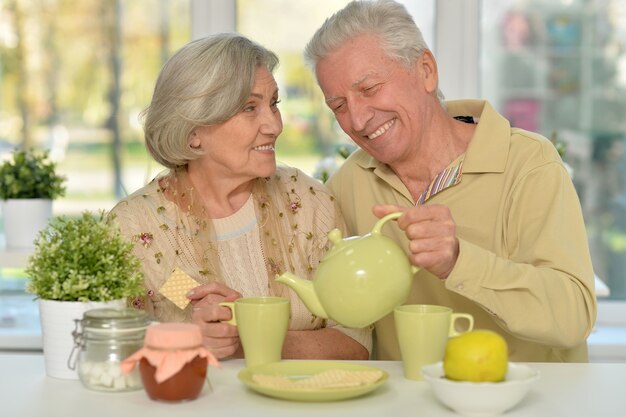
x=423 y=331
x=262 y=323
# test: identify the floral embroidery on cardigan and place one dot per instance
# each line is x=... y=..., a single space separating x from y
x=145 y=239
x=286 y=205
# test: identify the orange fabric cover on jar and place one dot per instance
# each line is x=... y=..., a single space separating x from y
x=169 y=347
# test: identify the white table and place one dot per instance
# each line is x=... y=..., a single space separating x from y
x=570 y=390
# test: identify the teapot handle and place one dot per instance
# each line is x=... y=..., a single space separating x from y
x=380 y=223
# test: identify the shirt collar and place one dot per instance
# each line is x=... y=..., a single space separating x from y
x=487 y=151
x=489 y=148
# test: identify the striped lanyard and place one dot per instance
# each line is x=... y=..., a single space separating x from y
x=447 y=178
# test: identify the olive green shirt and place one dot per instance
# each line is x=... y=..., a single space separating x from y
x=524 y=267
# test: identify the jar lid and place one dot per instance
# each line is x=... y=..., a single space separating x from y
x=113 y=319
x=173 y=336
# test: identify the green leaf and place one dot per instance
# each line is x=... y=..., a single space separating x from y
x=83 y=259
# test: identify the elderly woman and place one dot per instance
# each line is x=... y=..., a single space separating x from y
x=224 y=213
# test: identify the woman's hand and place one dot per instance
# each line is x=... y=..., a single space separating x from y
x=431 y=231
x=220 y=338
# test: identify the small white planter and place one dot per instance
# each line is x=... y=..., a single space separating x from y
x=57 y=324
x=23 y=219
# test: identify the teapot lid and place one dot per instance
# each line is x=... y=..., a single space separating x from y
x=339 y=244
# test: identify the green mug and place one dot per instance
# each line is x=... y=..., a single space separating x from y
x=423 y=331
x=262 y=323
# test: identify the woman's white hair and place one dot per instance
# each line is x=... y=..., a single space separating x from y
x=388 y=20
x=206 y=82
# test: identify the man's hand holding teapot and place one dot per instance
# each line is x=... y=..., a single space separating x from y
x=431 y=231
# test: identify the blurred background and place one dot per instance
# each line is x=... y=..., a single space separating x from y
x=74 y=76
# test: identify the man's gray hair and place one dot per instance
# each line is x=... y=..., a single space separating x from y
x=387 y=20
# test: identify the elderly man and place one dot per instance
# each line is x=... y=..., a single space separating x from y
x=490 y=214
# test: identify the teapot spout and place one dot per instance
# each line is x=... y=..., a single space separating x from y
x=305 y=291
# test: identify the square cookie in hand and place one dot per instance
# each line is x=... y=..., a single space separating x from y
x=177 y=286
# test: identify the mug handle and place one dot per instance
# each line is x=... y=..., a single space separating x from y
x=231 y=306
x=455 y=317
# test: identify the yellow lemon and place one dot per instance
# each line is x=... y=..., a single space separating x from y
x=477 y=356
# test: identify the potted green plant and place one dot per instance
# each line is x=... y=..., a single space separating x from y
x=28 y=184
x=78 y=264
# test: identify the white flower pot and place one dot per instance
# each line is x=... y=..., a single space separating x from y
x=23 y=219
x=57 y=324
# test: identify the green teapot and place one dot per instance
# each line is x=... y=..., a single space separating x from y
x=359 y=280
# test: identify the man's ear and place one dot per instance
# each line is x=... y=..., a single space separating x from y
x=427 y=68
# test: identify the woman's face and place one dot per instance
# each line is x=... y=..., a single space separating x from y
x=242 y=147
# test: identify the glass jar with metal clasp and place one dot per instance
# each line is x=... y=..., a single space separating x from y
x=102 y=340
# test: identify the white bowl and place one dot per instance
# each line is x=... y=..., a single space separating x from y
x=481 y=399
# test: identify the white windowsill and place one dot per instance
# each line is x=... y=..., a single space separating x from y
x=601 y=288
x=19 y=323
x=607 y=342
x=21 y=339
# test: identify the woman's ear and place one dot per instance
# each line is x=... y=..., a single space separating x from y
x=427 y=68
x=194 y=140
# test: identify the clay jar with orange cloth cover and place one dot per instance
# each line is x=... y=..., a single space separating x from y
x=173 y=362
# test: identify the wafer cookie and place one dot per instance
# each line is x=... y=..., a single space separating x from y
x=177 y=286
x=332 y=378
